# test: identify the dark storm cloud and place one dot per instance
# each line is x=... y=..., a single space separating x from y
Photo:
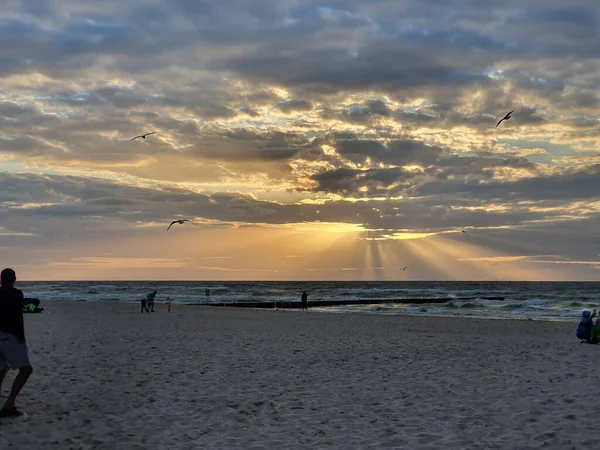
x=563 y=184
x=331 y=45
x=360 y=113
x=196 y=101
x=399 y=152
x=243 y=145
x=15 y=115
x=78 y=210
x=294 y=105
x=348 y=181
x=60 y=205
x=381 y=64
x=436 y=168
x=24 y=144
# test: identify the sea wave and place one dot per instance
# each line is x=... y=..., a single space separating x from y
x=521 y=300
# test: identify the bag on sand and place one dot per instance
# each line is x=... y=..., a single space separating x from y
x=584 y=329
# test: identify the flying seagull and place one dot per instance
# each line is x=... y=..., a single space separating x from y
x=506 y=117
x=180 y=222
x=404 y=268
x=467 y=234
x=143 y=136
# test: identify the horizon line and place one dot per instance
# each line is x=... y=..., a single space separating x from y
x=305 y=281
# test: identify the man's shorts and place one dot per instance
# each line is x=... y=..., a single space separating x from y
x=13 y=354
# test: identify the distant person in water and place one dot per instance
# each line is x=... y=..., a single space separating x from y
x=150 y=299
x=304 y=301
x=14 y=353
x=169 y=301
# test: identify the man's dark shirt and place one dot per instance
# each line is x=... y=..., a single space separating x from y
x=11 y=312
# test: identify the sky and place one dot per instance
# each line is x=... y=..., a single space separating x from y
x=307 y=140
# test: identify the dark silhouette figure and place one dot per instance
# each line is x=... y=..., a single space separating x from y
x=506 y=117
x=14 y=353
x=180 y=222
x=143 y=136
x=144 y=307
x=304 y=301
x=150 y=300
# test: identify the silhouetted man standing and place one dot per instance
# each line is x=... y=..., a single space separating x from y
x=14 y=353
x=304 y=301
x=150 y=300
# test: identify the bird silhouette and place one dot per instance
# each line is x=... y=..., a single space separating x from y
x=180 y=222
x=467 y=234
x=506 y=117
x=404 y=268
x=143 y=136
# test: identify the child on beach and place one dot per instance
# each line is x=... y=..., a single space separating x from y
x=595 y=338
x=169 y=301
x=586 y=327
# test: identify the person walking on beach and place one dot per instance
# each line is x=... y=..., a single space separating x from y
x=169 y=304
x=14 y=353
x=150 y=299
x=304 y=301
x=144 y=307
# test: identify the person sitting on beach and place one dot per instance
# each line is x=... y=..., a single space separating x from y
x=595 y=337
x=169 y=304
x=150 y=299
x=586 y=325
x=14 y=353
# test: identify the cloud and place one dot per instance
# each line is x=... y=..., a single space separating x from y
x=294 y=105
x=267 y=114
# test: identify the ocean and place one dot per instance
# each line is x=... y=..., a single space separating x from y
x=523 y=300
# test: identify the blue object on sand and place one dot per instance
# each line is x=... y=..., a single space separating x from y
x=584 y=329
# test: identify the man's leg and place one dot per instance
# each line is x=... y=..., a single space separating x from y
x=17 y=386
x=3 y=368
x=16 y=354
x=2 y=375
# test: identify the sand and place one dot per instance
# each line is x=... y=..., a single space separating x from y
x=107 y=377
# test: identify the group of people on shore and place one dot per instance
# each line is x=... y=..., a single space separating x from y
x=588 y=330
x=148 y=303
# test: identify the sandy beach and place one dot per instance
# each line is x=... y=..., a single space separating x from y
x=108 y=377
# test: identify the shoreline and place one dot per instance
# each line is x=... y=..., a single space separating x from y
x=327 y=310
